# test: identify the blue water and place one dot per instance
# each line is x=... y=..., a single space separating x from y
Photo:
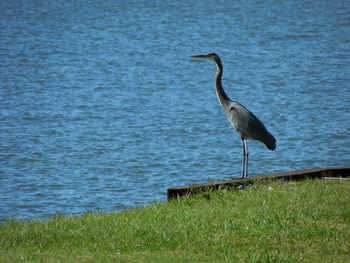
x=101 y=108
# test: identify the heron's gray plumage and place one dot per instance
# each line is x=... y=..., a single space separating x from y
x=249 y=126
x=246 y=123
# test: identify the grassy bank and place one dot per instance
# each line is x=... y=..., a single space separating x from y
x=307 y=221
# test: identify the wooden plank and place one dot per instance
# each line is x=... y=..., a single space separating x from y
x=334 y=172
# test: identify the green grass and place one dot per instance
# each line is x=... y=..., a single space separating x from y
x=307 y=221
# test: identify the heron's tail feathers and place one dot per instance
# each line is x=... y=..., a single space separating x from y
x=270 y=142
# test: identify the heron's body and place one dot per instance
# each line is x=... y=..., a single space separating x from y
x=246 y=123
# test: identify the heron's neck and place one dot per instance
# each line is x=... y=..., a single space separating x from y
x=223 y=98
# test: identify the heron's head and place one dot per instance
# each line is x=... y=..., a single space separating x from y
x=210 y=56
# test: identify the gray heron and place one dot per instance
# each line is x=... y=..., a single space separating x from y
x=245 y=122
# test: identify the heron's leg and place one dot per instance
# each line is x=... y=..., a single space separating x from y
x=243 y=159
x=246 y=158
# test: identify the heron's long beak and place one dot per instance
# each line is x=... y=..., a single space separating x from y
x=199 y=56
x=206 y=57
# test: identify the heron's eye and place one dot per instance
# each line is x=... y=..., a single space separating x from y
x=232 y=108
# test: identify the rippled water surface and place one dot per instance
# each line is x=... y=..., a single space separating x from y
x=101 y=108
